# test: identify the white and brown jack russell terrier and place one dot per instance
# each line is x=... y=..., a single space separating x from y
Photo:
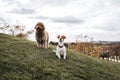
x=61 y=49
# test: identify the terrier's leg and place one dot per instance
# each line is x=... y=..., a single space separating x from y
x=57 y=53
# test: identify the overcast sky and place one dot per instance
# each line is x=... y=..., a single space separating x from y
x=99 y=19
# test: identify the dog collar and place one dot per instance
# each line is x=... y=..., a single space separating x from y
x=60 y=46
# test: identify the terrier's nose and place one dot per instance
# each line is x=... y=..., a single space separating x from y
x=60 y=40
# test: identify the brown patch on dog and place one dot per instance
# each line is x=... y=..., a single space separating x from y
x=58 y=36
x=63 y=37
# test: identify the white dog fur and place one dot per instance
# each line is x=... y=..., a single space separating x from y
x=61 y=49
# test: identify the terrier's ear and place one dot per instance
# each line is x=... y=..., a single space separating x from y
x=63 y=36
x=58 y=36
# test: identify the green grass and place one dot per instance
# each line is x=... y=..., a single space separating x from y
x=21 y=60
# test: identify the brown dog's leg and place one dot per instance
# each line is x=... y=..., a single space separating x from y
x=42 y=45
x=38 y=45
x=45 y=45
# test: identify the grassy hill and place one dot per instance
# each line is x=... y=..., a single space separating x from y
x=21 y=60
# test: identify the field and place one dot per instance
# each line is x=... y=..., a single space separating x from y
x=20 y=59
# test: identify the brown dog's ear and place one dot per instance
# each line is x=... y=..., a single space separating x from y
x=63 y=36
x=43 y=26
x=58 y=36
x=36 y=26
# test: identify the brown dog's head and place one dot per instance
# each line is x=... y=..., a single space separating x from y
x=40 y=27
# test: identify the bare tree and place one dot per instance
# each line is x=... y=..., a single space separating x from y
x=83 y=38
x=25 y=35
x=4 y=27
x=15 y=29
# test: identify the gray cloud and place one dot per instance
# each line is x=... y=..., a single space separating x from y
x=12 y=2
x=23 y=11
x=111 y=22
x=58 y=2
x=20 y=8
x=116 y=2
x=70 y=19
x=1 y=20
x=110 y=27
x=40 y=17
x=51 y=2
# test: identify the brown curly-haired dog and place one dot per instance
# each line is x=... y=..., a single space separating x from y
x=42 y=36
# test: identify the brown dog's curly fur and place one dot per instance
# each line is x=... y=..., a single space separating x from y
x=41 y=35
